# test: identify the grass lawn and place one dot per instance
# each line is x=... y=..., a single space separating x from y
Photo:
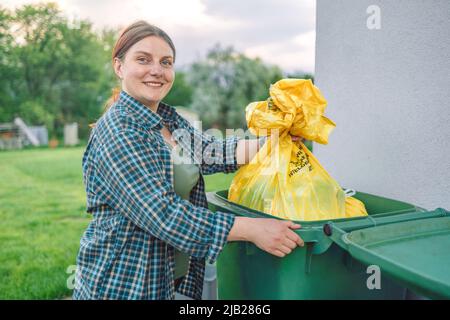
x=42 y=203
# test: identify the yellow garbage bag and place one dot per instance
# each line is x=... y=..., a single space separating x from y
x=284 y=179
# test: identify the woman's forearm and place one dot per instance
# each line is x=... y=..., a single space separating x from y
x=240 y=230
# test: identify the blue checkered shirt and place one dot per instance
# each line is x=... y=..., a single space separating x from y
x=127 y=251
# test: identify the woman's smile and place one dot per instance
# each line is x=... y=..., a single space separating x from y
x=155 y=84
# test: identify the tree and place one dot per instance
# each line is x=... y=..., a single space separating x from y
x=58 y=71
x=225 y=82
x=7 y=66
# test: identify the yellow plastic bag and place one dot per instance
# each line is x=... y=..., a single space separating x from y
x=284 y=178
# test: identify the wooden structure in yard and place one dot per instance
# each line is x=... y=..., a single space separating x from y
x=17 y=134
x=10 y=137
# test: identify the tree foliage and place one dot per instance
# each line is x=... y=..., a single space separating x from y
x=57 y=71
x=225 y=82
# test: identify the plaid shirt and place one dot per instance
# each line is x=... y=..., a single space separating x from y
x=127 y=251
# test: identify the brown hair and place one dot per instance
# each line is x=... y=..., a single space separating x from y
x=128 y=37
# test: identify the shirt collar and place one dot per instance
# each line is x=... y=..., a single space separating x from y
x=164 y=114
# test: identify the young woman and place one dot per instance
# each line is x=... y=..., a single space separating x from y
x=150 y=215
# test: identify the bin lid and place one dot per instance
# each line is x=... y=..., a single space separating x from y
x=416 y=252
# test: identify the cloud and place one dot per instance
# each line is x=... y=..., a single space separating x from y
x=293 y=55
x=279 y=32
x=265 y=20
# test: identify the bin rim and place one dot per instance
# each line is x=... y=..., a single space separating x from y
x=215 y=196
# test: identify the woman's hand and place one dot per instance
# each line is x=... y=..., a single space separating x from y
x=274 y=236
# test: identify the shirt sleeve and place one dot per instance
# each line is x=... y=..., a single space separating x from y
x=131 y=170
x=216 y=155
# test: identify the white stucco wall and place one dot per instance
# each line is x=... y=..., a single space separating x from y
x=388 y=91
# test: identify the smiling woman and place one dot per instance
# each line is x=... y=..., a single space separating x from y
x=151 y=235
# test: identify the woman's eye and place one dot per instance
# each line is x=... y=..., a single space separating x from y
x=142 y=60
x=167 y=63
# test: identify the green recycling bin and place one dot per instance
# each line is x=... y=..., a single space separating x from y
x=397 y=246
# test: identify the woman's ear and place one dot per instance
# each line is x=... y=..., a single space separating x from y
x=118 y=68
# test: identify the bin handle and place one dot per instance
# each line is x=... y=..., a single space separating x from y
x=314 y=237
x=349 y=192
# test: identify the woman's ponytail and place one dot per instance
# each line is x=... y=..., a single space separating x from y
x=113 y=98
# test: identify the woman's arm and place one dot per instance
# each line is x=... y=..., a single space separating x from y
x=212 y=154
x=131 y=172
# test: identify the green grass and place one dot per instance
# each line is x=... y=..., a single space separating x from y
x=42 y=214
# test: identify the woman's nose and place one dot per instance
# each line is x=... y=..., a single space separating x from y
x=155 y=69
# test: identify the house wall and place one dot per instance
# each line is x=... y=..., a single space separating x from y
x=388 y=90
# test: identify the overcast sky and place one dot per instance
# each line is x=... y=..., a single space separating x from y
x=281 y=32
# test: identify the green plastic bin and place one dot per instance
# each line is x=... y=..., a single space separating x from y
x=409 y=245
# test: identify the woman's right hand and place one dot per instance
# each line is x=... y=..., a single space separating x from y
x=274 y=236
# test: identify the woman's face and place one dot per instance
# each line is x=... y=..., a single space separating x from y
x=147 y=71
